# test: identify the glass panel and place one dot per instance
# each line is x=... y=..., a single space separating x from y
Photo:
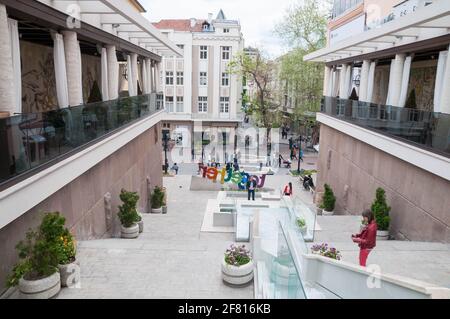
x=30 y=140
x=425 y=129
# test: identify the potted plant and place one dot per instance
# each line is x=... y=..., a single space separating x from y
x=128 y=214
x=301 y=223
x=381 y=211
x=237 y=266
x=68 y=265
x=37 y=273
x=326 y=251
x=328 y=201
x=157 y=200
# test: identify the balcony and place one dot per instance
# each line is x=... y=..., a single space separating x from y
x=426 y=130
x=32 y=142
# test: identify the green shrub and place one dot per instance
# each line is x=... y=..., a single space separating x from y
x=381 y=210
x=329 y=200
x=128 y=214
x=157 y=199
x=40 y=252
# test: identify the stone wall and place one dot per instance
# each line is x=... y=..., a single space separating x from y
x=420 y=200
x=82 y=201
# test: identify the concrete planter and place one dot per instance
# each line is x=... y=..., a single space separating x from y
x=237 y=276
x=382 y=234
x=141 y=225
x=44 y=288
x=157 y=210
x=129 y=232
x=326 y=213
x=70 y=274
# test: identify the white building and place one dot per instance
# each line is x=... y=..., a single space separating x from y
x=200 y=94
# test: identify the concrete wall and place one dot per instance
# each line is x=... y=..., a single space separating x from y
x=82 y=200
x=419 y=199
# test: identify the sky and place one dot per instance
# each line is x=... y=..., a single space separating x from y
x=258 y=17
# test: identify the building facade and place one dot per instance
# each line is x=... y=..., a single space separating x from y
x=385 y=119
x=203 y=100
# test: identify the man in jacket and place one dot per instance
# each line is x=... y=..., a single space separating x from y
x=251 y=187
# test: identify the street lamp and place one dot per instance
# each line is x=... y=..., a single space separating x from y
x=165 y=139
x=299 y=153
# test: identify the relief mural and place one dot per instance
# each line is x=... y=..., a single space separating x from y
x=422 y=80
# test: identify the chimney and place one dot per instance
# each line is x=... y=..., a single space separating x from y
x=193 y=22
x=210 y=15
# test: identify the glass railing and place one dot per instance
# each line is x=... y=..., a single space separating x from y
x=429 y=130
x=278 y=276
x=31 y=140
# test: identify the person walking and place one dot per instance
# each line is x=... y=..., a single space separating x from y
x=251 y=187
x=288 y=190
x=367 y=238
x=280 y=160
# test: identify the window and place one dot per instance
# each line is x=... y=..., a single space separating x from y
x=169 y=103
x=225 y=79
x=224 y=104
x=203 y=78
x=226 y=53
x=169 y=78
x=181 y=46
x=203 y=52
x=203 y=104
x=180 y=78
x=180 y=104
x=226 y=30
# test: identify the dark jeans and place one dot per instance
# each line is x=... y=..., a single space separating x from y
x=252 y=193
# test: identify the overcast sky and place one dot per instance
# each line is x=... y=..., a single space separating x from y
x=257 y=17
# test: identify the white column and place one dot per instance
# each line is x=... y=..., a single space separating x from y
x=104 y=70
x=370 y=82
x=150 y=75
x=439 y=79
x=134 y=73
x=59 y=61
x=395 y=80
x=7 y=98
x=157 y=76
x=113 y=72
x=335 y=83
x=144 y=76
x=131 y=84
x=364 y=80
x=405 y=82
x=326 y=81
x=15 y=54
x=342 y=83
x=348 y=81
x=73 y=68
x=445 y=95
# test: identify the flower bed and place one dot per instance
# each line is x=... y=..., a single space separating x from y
x=326 y=251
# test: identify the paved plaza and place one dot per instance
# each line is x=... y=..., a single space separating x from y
x=174 y=259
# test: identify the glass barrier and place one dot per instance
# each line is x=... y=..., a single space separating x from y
x=33 y=139
x=424 y=129
x=278 y=276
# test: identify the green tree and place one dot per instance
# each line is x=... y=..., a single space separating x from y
x=381 y=210
x=303 y=28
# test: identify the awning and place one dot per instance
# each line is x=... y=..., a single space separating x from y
x=428 y=23
x=119 y=18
